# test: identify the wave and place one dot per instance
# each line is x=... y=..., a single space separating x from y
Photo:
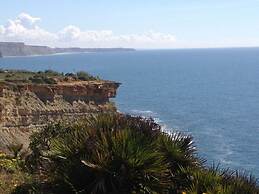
x=142 y=112
x=154 y=116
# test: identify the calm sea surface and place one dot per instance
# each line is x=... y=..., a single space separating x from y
x=212 y=94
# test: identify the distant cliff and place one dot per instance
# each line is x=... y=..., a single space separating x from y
x=21 y=49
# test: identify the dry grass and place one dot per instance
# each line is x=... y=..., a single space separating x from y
x=10 y=180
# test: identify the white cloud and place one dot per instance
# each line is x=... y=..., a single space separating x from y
x=69 y=33
x=27 y=21
x=2 y=30
x=25 y=28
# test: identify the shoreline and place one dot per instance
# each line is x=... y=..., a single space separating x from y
x=63 y=53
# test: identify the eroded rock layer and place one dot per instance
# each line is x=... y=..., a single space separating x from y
x=27 y=107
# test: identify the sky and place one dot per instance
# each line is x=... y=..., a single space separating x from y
x=143 y=24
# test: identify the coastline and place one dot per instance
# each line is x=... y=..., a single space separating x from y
x=17 y=49
x=64 y=53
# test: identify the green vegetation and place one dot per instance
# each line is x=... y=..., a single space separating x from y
x=84 y=76
x=114 y=153
x=43 y=77
x=12 y=173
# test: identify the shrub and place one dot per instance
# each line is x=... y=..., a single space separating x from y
x=115 y=153
x=50 y=72
x=40 y=79
x=70 y=75
x=111 y=154
x=84 y=76
x=219 y=181
x=10 y=180
x=11 y=174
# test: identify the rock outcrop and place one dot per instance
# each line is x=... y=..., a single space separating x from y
x=27 y=107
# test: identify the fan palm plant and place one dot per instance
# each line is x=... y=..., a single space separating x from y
x=115 y=153
x=119 y=162
x=180 y=153
x=239 y=182
x=107 y=153
x=219 y=181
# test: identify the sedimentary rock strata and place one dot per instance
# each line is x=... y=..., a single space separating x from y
x=27 y=107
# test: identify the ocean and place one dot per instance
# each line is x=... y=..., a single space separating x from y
x=212 y=94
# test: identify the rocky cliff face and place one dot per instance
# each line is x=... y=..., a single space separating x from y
x=27 y=107
x=20 y=49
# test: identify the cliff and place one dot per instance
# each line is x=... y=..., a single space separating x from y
x=27 y=107
x=21 y=49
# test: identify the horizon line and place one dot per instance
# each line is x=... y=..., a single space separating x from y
x=173 y=48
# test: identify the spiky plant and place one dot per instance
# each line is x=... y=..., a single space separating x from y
x=239 y=182
x=215 y=180
x=180 y=153
x=104 y=153
x=179 y=150
x=203 y=181
x=119 y=162
x=115 y=153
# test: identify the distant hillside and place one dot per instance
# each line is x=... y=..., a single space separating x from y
x=21 y=49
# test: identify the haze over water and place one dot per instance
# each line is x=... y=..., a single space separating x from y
x=212 y=94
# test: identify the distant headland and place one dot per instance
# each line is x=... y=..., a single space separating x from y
x=21 y=49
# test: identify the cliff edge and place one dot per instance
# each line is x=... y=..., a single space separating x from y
x=25 y=107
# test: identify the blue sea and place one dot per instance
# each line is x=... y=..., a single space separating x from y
x=212 y=94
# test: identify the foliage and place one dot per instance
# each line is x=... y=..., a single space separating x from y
x=239 y=182
x=219 y=181
x=42 y=77
x=84 y=76
x=180 y=153
x=51 y=73
x=11 y=174
x=115 y=153
x=118 y=162
x=15 y=149
x=10 y=180
x=8 y=163
x=110 y=153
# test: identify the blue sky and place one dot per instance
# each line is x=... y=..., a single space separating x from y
x=135 y=23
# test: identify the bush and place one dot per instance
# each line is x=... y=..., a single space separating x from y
x=84 y=76
x=11 y=173
x=50 y=72
x=115 y=153
x=39 y=79
x=111 y=154
x=70 y=75
x=217 y=181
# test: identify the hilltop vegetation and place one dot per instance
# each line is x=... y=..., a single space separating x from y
x=43 y=77
x=115 y=153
